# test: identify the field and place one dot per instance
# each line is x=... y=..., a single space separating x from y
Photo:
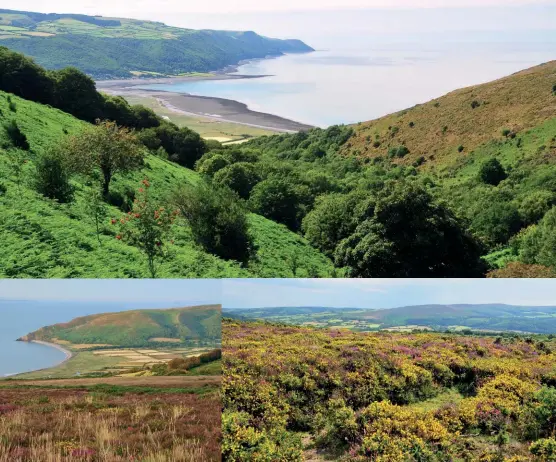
x=297 y=393
x=45 y=239
x=456 y=318
x=72 y=420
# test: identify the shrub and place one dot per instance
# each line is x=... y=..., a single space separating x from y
x=279 y=200
x=218 y=220
x=461 y=148
x=240 y=177
x=213 y=164
x=408 y=234
x=475 y=104
x=400 y=152
x=52 y=178
x=554 y=89
x=16 y=136
x=506 y=132
x=376 y=144
x=3 y=189
x=492 y=172
x=534 y=206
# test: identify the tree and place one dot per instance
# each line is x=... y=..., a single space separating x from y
x=184 y=146
x=277 y=199
x=52 y=177
x=496 y=222
x=105 y=147
x=492 y=172
x=240 y=177
x=147 y=226
x=76 y=94
x=410 y=235
x=534 y=206
x=333 y=219
x=22 y=77
x=96 y=209
x=218 y=220
x=537 y=244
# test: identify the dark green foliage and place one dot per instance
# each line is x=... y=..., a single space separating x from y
x=184 y=146
x=534 y=206
x=240 y=177
x=3 y=189
x=461 y=148
x=16 y=136
x=492 y=172
x=400 y=152
x=475 y=104
x=333 y=219
x=52 y=178
x=213 y=164
x=538 y=244
x=279 y=200
x=76 y=94
x=218 y=220
x=409 y=235
x=554 y=89
x=496 y=222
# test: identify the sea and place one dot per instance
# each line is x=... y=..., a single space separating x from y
x=372 y=62
x=20 y=317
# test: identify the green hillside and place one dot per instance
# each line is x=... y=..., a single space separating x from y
x=116 y=47
x=492 y=317
x=425 y=191
x=137 y=328
x=43 y=238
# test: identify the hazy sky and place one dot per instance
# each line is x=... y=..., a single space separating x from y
x=174 y=292
x=107 y=7
x=386 y=293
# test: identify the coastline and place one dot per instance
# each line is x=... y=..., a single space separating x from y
x=68 y=354
x=207 y=107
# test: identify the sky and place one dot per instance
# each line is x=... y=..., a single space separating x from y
x=174 y=292
x=385 y=293
x=107 y=7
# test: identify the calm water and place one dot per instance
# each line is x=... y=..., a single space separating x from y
x=18 y=318
x=351 y=85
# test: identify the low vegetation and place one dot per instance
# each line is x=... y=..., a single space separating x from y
x=298 y=393
x=108 y=424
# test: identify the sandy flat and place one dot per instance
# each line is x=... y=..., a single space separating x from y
x=224 y=110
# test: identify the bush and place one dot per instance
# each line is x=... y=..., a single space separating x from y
x=240 y=177
x=3 y=189
x=52 y=178
x=408 y=234
x=218 y=220
x=475 y=104
x=213 y=164
x=277 y=199
x=496 y=222
x=492 y=172
x=534 y=206
x=400 y=152
x=16 y=136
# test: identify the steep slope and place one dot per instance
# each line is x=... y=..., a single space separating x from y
x=468 y=117
x=116 y=47
x=136 y=328
x=42 y=238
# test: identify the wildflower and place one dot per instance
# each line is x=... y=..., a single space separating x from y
x=118 y=237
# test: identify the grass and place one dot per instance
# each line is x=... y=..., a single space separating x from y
x=517 y=103
x=44 y=239
x=212 y=368
x=104 y=424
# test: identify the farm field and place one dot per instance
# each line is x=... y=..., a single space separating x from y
x=118 y=421
x=296 y=393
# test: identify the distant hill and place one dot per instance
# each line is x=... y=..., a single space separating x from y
x=493 y=317
x=117 y=47
x=137 y=328
x=468 y=117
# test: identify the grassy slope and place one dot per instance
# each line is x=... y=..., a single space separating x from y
x=129 y=328
x=43 y=239
x=517 y=102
